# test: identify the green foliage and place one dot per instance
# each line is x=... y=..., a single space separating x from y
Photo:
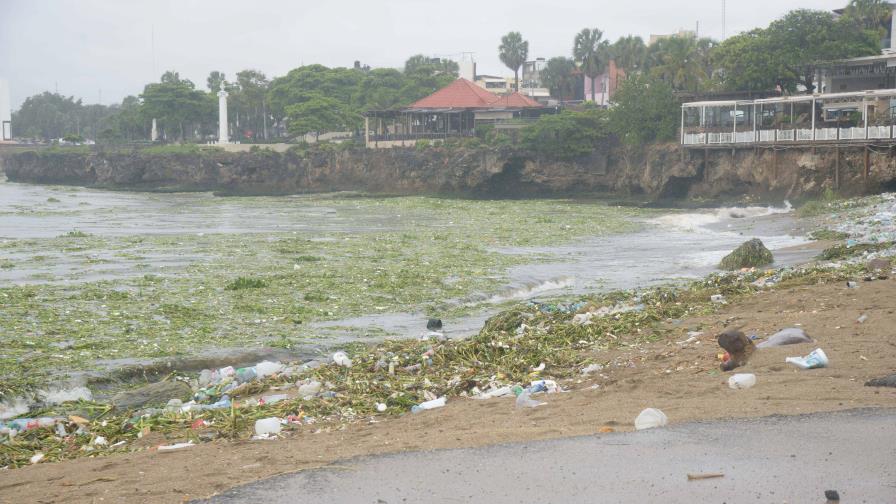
x=630 y=53
x=513 y=52
x=422 y=144
x=828 y=235
x=844 y=251
x=566 y=136
x=558 y=76
x=246 y=283
x=178 y=107
x=592 y=53
x=320 y=114
x=788 y=51
x=644 y=110
x=681 y=62
x=820 y=206
x=167 y=149
x=72 y=138
x=751 y=254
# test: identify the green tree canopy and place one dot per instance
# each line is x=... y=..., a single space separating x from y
x=566 y=136
x=644 y=110
x=318 y=114
x=425 y=66
x=177 y=105
x=592 y=53
x=558 y=76
x=681 y=62
x=630 y=53
x=215 y=80
x=513 y=52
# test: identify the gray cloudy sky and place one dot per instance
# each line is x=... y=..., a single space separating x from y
x=84 y=46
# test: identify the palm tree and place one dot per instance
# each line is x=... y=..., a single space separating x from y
x=591 y=53
x=558 y=75
x=869 y=14
x=513 y=52
x=678 y=62
x=630 y=53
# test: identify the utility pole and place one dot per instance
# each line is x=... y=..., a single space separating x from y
x=724 y=21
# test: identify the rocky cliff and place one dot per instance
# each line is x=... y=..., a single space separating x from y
x=657 y=172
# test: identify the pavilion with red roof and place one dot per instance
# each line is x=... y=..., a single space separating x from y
x=455 y=110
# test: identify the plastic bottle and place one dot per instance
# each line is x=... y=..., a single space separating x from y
x=310 y=389
x=742 y=381
x=246 y=374
x=524 y=400
x=651 y=418
x=428 y=405
x=341 y=359
x=267 y=426
x=267 y=368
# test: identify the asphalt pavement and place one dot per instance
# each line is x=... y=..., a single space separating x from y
x=768 y=460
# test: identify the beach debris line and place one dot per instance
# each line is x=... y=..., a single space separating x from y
x=816 y=359
x=886 y=381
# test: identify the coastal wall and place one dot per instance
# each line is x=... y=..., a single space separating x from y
x=658 y=172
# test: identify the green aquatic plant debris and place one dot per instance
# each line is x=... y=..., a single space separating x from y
x=751 y=254
x=246 y=283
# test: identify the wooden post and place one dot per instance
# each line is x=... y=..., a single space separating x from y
x=867 y=164
x=837 y=167
x=705 y=165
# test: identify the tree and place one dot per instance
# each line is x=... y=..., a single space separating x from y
x=869 y=15
x=743 y=62
x=644 y=110
x=568 y=135
x=591 y=52
x=513 y=52
x=629 y=53
x=804 y=38
x=558 y=76
x=175 y=104
x=215 y=80
x=425 y=66
x=318 y=114
x=679 y=62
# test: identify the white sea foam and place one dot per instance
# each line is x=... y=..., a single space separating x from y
x=698 y=221
x=59 y=396
x=528 y=291
x=14 y=407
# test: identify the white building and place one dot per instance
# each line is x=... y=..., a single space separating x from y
x=5 y=112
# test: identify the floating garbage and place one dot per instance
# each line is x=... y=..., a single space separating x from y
x=497 y=392
x=525 y=400
x=651 y=418
x=266 y=368
x=549 y=386
x=789 y=336
x=862 y=319
x=267 y=426
x=37 y=457
x=717 y=298
x=273 y=399
x=742 y=381
x=176 y=446
x=592 y=368
x=381 y=407
x=309 y=389
x=429 y=405
x=341 y=359
x=816 y=359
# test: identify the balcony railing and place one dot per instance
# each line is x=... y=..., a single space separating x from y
x=800 y=135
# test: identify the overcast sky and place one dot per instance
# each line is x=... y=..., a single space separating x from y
x=93 y=48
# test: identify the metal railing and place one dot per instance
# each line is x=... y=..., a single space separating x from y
x=800 y=135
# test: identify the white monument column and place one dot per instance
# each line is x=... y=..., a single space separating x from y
x=154 y=133
x=223 y=136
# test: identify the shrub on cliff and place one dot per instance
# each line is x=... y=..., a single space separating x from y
x=751 y=254
x=644 y=110
x=566 y=136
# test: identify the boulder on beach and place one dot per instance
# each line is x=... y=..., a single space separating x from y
x=880 y=264
x=154 y=394
x=886 y=381
x=751 y=254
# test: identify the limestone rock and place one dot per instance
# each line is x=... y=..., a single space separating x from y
x=749 y=255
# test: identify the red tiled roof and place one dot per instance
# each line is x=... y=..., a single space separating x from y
x=516 y=100
x=459 y=94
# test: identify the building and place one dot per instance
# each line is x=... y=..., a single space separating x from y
x=681 y=34
x=5 y=112
x=859 y=74
x=864 y=116
x=453 y=111
x=605 y=85
x=495 y=84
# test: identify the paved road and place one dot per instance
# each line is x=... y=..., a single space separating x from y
x=777 y=459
